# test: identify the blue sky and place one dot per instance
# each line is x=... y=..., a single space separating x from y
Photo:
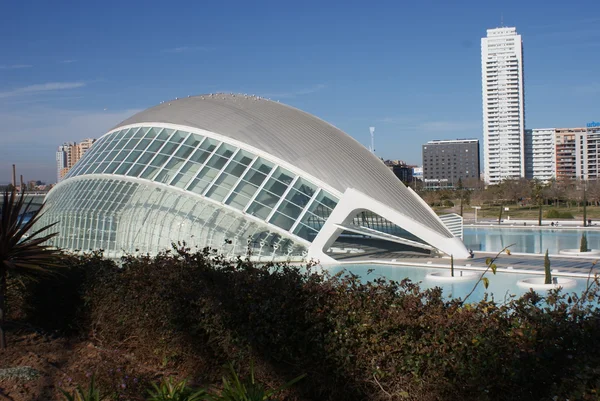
x=71 y=70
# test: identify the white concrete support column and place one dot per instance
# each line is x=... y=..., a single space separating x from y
x=353 y=202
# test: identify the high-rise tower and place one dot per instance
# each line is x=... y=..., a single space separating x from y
x=503 y=105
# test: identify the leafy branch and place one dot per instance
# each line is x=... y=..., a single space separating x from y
x=490 y=266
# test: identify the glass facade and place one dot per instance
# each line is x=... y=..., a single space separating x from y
x=152 y=186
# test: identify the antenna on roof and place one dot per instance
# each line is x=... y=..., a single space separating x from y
x=372 y=129
x=501 y=20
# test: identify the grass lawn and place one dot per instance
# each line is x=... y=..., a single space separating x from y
x=521 y=212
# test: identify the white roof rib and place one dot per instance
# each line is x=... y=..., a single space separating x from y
x=309 y=143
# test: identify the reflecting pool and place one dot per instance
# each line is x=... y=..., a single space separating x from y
x=502 y=285
x=527 y=240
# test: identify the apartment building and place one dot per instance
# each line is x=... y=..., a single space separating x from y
x=503 y=105
x=68 y=154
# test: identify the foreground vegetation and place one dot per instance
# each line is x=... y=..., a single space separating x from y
x=186 y=314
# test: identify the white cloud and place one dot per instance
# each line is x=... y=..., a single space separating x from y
x=15 y=66
x=299 y=92
x=49 y=86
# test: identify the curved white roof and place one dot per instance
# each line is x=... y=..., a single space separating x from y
x=307 y=142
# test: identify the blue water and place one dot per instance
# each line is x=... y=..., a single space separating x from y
x=502 y=285
x=530 y=240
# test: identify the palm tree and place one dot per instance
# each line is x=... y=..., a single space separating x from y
x=21 y=253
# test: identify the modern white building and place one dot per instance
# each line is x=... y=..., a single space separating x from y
x=246 y=176
x=503 y=105
x=540 y=154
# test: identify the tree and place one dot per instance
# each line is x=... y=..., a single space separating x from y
x=538 y=194
x=21 y=254
x=548 y=273
x=463 y=195
x=583 y=246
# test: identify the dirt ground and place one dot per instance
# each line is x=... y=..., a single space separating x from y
x=63 y=363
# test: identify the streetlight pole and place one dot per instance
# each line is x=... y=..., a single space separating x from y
x=584 y=205
x=476 y=209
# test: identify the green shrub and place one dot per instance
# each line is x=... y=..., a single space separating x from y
x=356 y=340
x=236 y=389
x=175 y=391
x=92 y=393
x=583 y=245
x=557 y=214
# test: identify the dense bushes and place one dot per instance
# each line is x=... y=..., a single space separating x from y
x=356 y=340
x=557 y=214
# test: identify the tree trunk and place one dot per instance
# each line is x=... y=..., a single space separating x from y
x=540 y=216
x=2 y=307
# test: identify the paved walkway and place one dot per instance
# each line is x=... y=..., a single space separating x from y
x=517 y=263
x=520 y=223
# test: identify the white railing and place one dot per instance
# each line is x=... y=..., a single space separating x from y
x=454 y=223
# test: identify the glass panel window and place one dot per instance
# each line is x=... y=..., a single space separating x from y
x=123 y=168
x=297 y=198
x=156 y=145
x=282 y=221
x=238 y=201
x=167 y=172
x=198 y=185
x=305 y=187
x=135 y=170
x=289 y=209
x=159 y=160
x=305 y=232
x=131 y=157
x=267 y=198
x=246 y=188
x=313 y=221
x=209 y=144
x=151 y=133
x=207 y=173
x=143 y=144
x=283 y=176
x=169 y=148
x=193 y=140
x=185 y=175
x=216 y=162
x=275 y=186
x=221 y=187
x=244 y=157
x=183 y=152
x=263 y=166
x=259 y=210
x=178 y=137
x=199 y=156
x=217 y=192
x=145 y=159
x=112 y=167
x=235 y=169
x=225 y=150
x=254 y=177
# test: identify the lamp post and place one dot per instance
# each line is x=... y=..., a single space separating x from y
x=476 y=209
x=584 y=205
